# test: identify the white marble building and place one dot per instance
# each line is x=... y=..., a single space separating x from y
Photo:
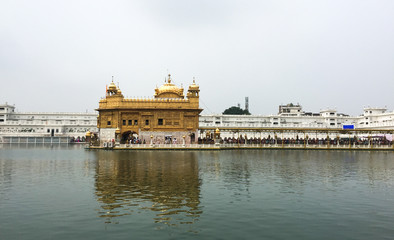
x=44 y=124
x=292 y=116
x=41 y=124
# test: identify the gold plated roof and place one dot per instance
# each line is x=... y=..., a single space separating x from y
x=169 y=90
x=194 y=86
x=112 y=87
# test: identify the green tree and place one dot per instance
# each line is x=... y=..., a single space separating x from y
x=236 y=111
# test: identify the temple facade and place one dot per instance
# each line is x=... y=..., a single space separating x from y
x=168 y=117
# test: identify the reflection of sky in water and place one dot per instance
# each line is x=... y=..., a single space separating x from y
x=72 y=193
x=294 y=171
x=132 y=183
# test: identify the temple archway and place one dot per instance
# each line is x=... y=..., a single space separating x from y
x=129 y=137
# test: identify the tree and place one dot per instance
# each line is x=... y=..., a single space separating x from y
x=236 y=111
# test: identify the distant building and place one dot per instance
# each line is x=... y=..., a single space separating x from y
x=293 y=116
x=45 y=124
x=290 y=110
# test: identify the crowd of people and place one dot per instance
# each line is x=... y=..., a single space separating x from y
x=310 y=141
x=77 y=139
x=134 y=140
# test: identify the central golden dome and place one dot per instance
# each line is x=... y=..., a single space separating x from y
x=169 y=90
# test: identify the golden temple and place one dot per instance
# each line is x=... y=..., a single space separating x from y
x=168 y=116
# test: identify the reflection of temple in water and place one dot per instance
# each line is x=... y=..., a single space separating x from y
x=166 y=183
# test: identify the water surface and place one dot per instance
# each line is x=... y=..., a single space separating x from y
x=68 y=192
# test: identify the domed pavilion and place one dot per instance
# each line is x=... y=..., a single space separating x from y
x=168 y=117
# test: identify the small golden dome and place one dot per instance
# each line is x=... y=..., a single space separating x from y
x=88 y=134
x=117 y=130
x=194 y=86
x=217 y=130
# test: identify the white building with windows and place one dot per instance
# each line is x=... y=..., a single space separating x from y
x=41 y=124
x=292 y=116
x=44 y=124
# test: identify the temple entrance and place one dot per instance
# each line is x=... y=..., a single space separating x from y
x=129 y=137
x=192 y=138
x=168 y=139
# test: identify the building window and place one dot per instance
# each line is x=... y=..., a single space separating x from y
x=48 y=130
x=160 y=122
x=130 y=122
x=136 y=122
x=124 y=122
x=146 y=122
x=57 y=130
x=108 y=123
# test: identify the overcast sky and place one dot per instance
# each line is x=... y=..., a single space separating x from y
x=58 y=56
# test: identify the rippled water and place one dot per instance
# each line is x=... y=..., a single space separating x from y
x=71 y=193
